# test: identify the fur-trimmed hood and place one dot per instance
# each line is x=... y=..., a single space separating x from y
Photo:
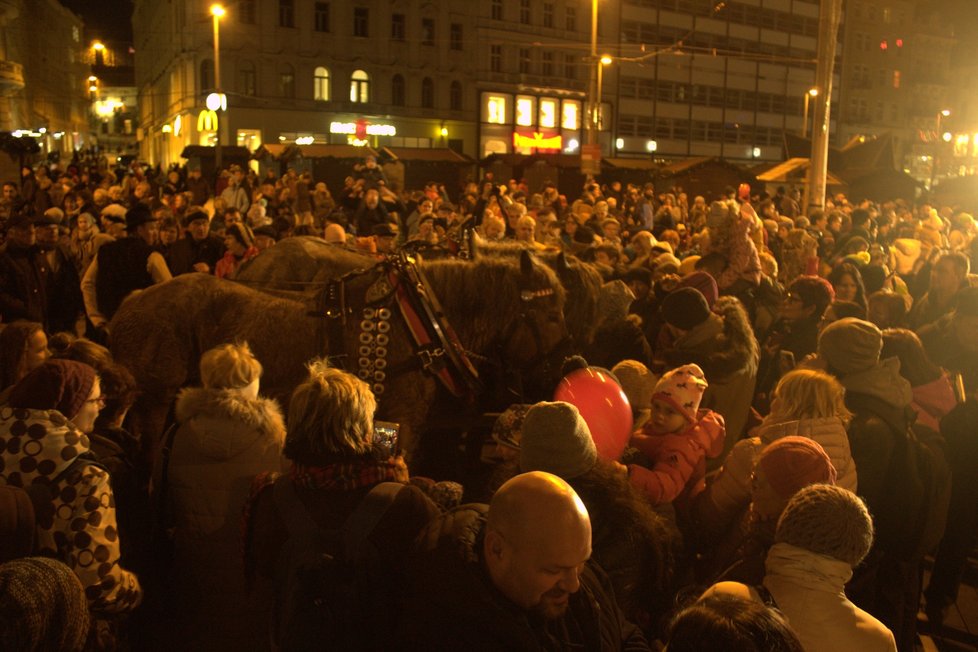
x=212 y=414
x=720 y=352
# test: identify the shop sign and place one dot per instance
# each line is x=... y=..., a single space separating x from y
x=207 y=120
x=361 y=129
x=536 y=140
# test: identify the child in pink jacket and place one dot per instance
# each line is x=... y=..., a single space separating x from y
x=677 y=438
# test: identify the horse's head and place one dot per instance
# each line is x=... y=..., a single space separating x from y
x=537 y=340
x=583 y=284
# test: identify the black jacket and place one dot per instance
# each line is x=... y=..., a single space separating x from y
x=187 y=252
x=23 y=284
x=452 y=604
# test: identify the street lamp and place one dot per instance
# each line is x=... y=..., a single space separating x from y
x=596 y=124
x=812 y=93
x=217 y=11
x=592 y=135
x=944 y=113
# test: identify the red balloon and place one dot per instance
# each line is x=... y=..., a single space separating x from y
x=603 y=405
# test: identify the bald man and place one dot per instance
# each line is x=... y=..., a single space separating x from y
x=514 y=575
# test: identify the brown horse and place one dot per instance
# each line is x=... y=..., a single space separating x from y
x=505 y=312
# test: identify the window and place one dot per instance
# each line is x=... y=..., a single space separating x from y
x=286 y=13
x=526 y=110
x=547 y=63
x=548 y=14
x=570 y=66
x=359 y=86
x=571 y=19
x=455 y=96
x=246 y=12
x=495 y=112
x=320 y=84
x=321 y=17
x=496 y=58
x=570 y=117
x=397 y=27
x=497 y=9
x=397 y=90
x=427 y=31
x=427 y=93
x=246 y=79
x=548 y=113
x=525 y=12
x=455 y=37
x=206 y=76
x=286 y=81
x=524 y=61
x=361 y=21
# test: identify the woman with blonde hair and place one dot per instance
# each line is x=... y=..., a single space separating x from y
x=225 y=435
x=806 y=403
x=340 y=458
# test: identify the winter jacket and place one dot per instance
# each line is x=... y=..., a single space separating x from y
x=941 y=342
x=223 y=441
x=679 y=459
x=726 y=497
x=23 y=284
x=229 y=263
x=809 y=590
x=725 y=349
x=79 y=527
x=452 y=604
x=187 y=252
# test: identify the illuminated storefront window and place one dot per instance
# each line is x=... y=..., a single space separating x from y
x=571 y=115
x=525 y=110
x=495 y=109
x=548 y=113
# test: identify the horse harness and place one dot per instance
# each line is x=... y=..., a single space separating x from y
x=400 y=285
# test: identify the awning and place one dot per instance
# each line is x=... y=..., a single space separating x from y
x=204 y=151
x=631 y=163
x=429 y=154
x=794 y=170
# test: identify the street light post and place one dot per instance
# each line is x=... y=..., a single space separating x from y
x=811 y=93
x=217 y=11
x=940 y=138
x=592 y=136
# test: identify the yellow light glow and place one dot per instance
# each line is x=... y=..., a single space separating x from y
x=813 y=92
x=946 y=112
x=217 y=11
x=606 y=59
x=496 y=109
x=443 y=132
x=92 y=78
x=97 y=45
x=548 y=113
x=524 y=111
x=93 y=88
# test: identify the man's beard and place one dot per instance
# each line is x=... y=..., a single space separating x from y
x=548 y=608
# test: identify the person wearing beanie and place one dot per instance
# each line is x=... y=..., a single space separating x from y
x=637 y=382
x=823 y=533
x=556 y=439
x=121 y=267
x=677 y=439
x=785 y=467
x=57 y=403
x=721 y=342
x=200 y=251
x=239 y=248
x=42 y=606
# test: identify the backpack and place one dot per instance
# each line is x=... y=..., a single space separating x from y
x=910 y=521
x=325 y=578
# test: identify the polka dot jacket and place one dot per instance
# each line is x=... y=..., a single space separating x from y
x=78 y=527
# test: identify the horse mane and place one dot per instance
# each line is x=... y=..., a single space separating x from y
x=483 y=296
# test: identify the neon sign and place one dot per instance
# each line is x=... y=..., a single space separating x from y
x=536 y=140
x=362 y=128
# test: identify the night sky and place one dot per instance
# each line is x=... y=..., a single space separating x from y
x=105 y=19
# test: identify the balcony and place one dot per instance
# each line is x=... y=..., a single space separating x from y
x=11 y=77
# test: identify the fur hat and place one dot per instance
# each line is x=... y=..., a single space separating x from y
x=242 y=233
x=683 y=389
x=703 y=282
x=62 y=385
x=636 y=381
x=850 y=345
x=685 y=308
x=115 y=213
x=557 y=440
x=42 y=606
x=829 y=521
x=508 y=428
x=614 y=299
x=791 y=463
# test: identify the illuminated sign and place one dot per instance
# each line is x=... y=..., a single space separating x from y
x=536 y=140
x=207 y=120
x=362 y=128
x=304 y=140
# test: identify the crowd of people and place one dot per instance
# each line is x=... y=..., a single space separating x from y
x=803 y=387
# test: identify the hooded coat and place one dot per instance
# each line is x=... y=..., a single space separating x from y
x=78 y=526
x=223 y=441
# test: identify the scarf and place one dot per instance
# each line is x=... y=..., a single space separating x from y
x=350 y=474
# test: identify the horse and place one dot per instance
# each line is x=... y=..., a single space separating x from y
x=507 y=313
x=295 y=264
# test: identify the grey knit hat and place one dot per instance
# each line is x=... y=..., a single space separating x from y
x=850 y=345
x=827 y=520
x=636 y=381
x=557 y=440
x=42 y=606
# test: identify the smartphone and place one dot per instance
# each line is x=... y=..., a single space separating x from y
x=385 y=437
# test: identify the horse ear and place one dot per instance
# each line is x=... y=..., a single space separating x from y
x=474 y=243
x=526 y=263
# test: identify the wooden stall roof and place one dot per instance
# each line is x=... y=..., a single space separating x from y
x=429 y=154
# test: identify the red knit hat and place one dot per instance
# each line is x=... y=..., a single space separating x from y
x=62 y=385
x=792 y=463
